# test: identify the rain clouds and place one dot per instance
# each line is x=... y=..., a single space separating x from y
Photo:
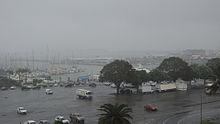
x=125 y=25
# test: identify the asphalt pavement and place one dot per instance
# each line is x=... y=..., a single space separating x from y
x=176 y=107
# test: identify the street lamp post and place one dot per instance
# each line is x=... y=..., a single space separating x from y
x=201 y=108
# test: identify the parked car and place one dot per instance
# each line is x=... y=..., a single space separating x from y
x=4 y=88
x=77 y=83
x=150 y=107
x=26 y=87
x=65 y=121
x=44 y=85
x=30 y=122
x=21 y=110
x=44 y=122
x=128 y=85
x=36 y=87
x=113 y=85
x=69 y=85
x=49 y=91
x=107 y=84
x=62 y=120
x=125 y=91
x=12 y=88
x=59 y=118
x=76 y=118
x=92 y=85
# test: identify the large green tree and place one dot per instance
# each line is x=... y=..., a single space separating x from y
x=196 y=71
x=202 y=72
x=187 y=74
x=136 y=78
x=116 y=72
x=115 y=114
x=176 y=68
x=158 y=76
x=214 y=64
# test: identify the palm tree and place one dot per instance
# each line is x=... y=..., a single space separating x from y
x=115 y=114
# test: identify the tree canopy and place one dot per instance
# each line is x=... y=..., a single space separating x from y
x=202 y=72
x=23 y=70
x=214 y=64
x=115 y=114
x=158 y=75
x=176 y=68
x=136 y=77
x=116 y=72
x=10 y=71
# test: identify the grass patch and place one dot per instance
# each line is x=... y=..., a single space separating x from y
x=208 y=122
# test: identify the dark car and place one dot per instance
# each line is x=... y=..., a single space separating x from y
x=69 y=85
x=36 y=87
x=150 y=107
x=125 y=91
x=26 y=87
x=92 y=85
x=4 y=88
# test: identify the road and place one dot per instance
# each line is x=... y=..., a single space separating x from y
x=179 y=107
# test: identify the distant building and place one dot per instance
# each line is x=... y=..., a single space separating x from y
x=141 y=68
x=83 y=79
x=95 y=77
x=194 y=54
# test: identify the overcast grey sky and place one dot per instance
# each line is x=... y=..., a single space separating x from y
x=109 y=24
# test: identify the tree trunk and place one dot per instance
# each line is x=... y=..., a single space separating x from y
x=137 y=89
x=117 y=87
x=117 y=90
x=204 y=81
x=189 y=85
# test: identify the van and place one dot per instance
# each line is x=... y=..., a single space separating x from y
x=49 y=91
x=84 y=94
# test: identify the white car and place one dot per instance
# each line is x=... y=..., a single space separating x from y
x=107 y=84
x=21 y=110
x=30 y=122
x=49 y=91
x=59 y=118
x=113 y=85
x=12 y=88
x=62 y=119
x=65 y=121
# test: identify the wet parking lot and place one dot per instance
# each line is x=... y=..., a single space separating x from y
x=173 y=107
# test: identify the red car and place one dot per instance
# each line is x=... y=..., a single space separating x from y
x=150 y=107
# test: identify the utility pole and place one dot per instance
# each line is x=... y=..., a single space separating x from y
x=201 y=108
